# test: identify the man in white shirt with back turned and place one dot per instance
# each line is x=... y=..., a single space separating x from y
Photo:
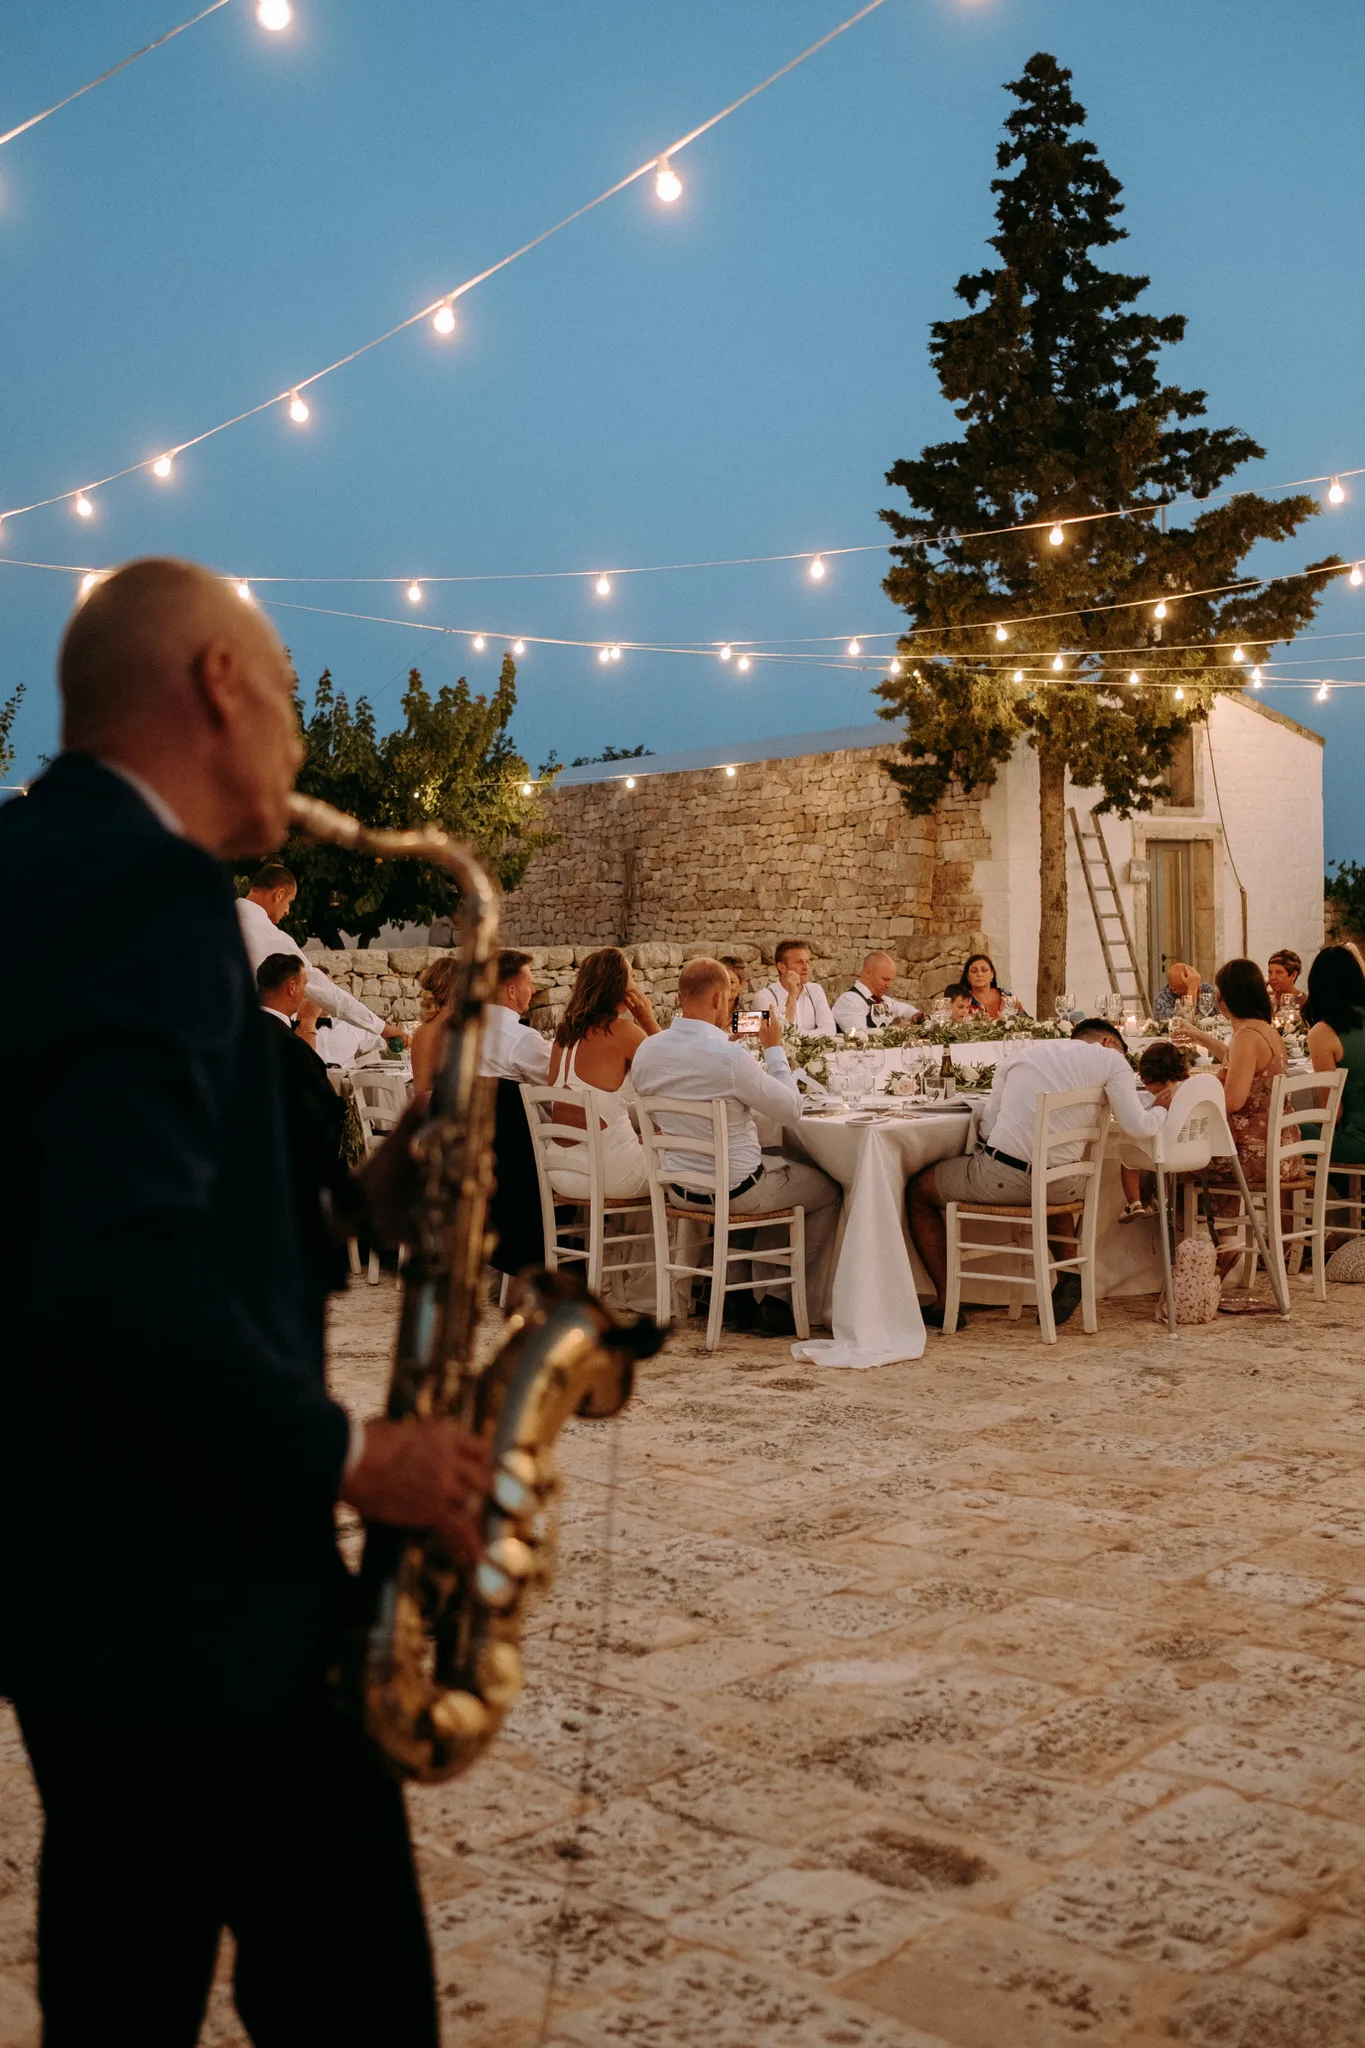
x=509 y=1049
x=697 y=1059
x=792 y=995
x=1001 y=1169
x=273 y=889
x=869 y=1003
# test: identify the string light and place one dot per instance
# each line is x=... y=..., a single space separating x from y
x=1322 y=695
x=731 y=771
x=84 y=507
x=893 y=667
x=1255 y=679
x=630 y=782
x=298 y=408
x=1335 y=493
x=1056 y=536
x=1356 y=577
x=726 y=652
x=1001 y=634
x=603 y=586
x=244 y=592
x=604 y=654
x=479 y=643
x=1238 y=655
x=855 y=647
x=743 y=664
x=667 y=183
x=274 y=14
x=1057 y=662
x=1179 y=695
x=162 y=466
x=527 y=790
x=443 y=319
x=169 y=36
x=414 y=593
x=817 y=569
x=1018 y=675
x=616 y=654
x=1133 y=676
x=88 y=583
x=518 y=647
x=1159 y=611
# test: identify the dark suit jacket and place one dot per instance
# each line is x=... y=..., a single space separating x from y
x=314 y=1124
x=168 y=1454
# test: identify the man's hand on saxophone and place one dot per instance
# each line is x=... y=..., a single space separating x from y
x=423 y=1473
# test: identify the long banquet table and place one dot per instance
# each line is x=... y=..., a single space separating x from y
x=878 y=1279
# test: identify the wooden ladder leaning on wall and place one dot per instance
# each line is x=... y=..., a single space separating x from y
x=1100 y=880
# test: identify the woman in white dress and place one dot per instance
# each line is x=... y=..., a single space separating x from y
x=606 y=1021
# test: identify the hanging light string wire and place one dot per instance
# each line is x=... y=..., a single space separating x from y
x=291 y=391
x=112 y=72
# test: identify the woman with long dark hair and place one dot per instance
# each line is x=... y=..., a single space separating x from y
x=1250 y=1064
x=1335 y=1014
x=608 y=1018
x=988 y=999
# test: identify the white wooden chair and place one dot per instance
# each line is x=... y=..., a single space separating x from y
x=1296 y=1101
x=704 y=1141
x=380 y=1100
x=1085 y=1114
x=581 y=1238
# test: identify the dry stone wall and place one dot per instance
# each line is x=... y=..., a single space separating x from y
x=820 y=848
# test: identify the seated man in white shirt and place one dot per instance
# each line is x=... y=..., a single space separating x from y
x=341 y=1044
x=1000 y=1170
x=273 y=889
x=696 y=1059
x=792 y=994
x=869 y=1003
x=511 y=1050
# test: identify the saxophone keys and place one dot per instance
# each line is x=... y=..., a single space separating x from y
x=506 y=1563
x=459 y=1716
x=499 y=1674
x=514 y=1484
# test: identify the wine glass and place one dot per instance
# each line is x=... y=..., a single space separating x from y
x=1064 y=1005
x=1208 y=1004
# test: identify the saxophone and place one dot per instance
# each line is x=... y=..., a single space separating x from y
x=435 y=1661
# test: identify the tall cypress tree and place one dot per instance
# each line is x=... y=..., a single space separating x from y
x=1056 y=378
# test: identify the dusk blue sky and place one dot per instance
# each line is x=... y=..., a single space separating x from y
x=730 y=376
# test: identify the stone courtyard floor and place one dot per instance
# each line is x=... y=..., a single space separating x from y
x=1008 y=1699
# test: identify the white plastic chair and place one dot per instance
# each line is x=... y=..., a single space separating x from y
x=708 y=1174
x=1088 y=1112
x=380 y=1100
x=564 y=1148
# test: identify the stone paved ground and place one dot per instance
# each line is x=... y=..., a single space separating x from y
x=1009 y=1699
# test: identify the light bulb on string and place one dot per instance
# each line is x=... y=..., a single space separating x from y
x=1057 y=663
x=414 y=593
x=244 y=592
x=1179 y=695
x=162 y=466
x=443 y=319
x=603 y=586
x=479 y=643
x=1322 y=695
x=893 y=667
x=84 y=508
x=298 y=409
x=1335 y=494
x=1238 y=654
x=726 y=652
x=1356 y=576
x=1133 y=676
x=274 y=14
x=527 y=790
x=1018 y=675
x=817 y=569
x=743 y=664
x=1056 y=536
x=616 y=654
x=667 y=183
x=855 y=647
x=1001 y=634
x=1255 y=679
x=1159 y=609
x=730 y=771
x=604 y=654
x=518 y=647
x=88 y=582
x=630 y=782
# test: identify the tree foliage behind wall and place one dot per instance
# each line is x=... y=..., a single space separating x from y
x=451 y=763
x=9 y=711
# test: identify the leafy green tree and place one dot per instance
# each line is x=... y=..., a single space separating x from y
x=1344 y=892
x=452 y=763
x=1056 y=379
x=610 y=754
x=9 y=711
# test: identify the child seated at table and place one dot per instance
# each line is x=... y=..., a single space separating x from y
x=960 y=996
x=1159 y=1065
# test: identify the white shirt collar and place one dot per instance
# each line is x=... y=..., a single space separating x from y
x=155 y=802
